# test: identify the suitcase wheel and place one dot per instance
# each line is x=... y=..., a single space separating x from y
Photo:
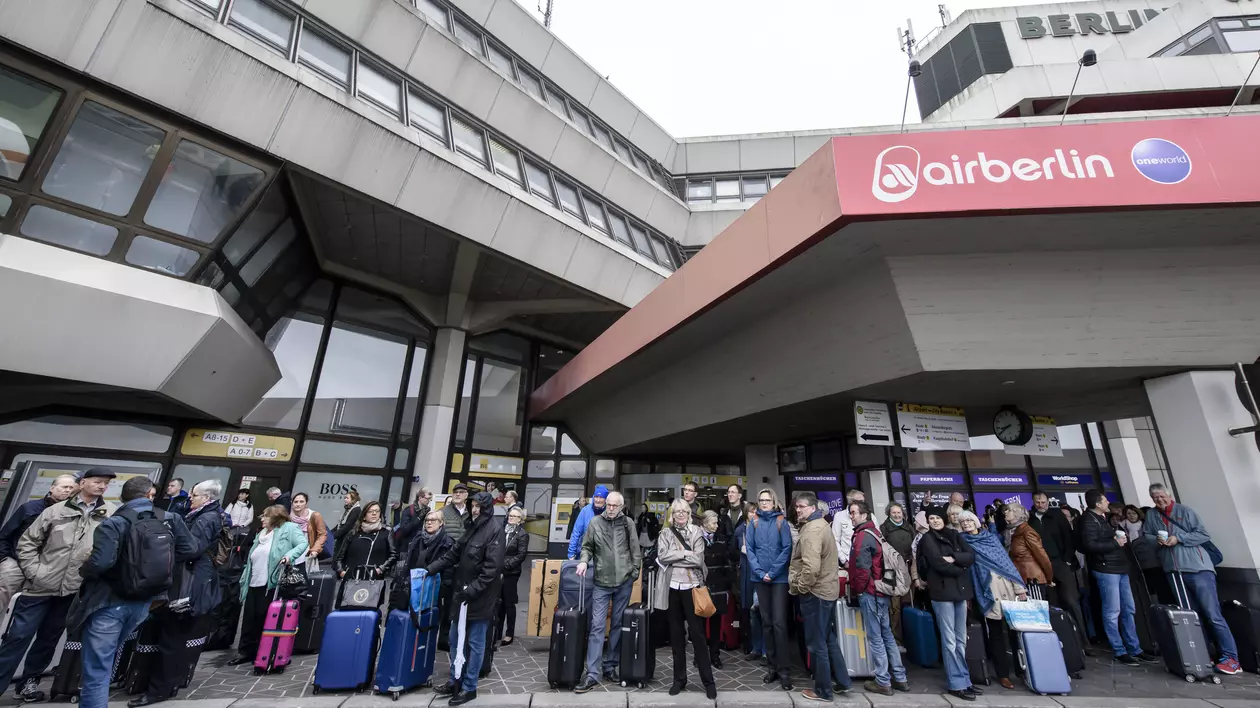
x=1189 y=678
x=1216 y=680
x=315 y=688
x=1078 y=675
x=552 y=684
x=395 y=695
x=74 y=699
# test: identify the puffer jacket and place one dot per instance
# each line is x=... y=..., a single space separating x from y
x=477 y=559
x=947 y=582
x=613 y=549
x=680 y=565
x=768 y=541
x=1029 y=556
x=1098 y=540
x=722 y=565
x=815 y=568
x=204 y=524
x=53 y=549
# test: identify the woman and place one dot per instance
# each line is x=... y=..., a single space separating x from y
x=755 y=642
x=996 y=580
x=515 y=546
x=1133 y=518
x=241 y=512
x=720 y=580
x=369 y=546
x=1026 y=551
x=349 y=517
x=279 y=543
x=952 y=518
x=647 y=526
x=429 y=545
x=680 y=553
x=899 y=534
x=312 y=524
x=947 y=561
x=917 y=584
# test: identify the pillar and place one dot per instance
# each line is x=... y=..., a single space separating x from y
x=1131 y=470
x=761 y=466
x=446 y=363
x=876 y=481
x=1216 y=474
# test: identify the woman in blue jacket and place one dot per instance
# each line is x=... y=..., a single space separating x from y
x=769 y=548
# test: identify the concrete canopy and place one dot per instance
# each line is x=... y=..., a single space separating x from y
x=1051 y=268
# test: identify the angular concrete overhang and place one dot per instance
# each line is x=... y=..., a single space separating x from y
x=73 y=317
x=873 y=271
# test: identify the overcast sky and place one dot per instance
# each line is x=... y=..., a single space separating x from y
x=715 y=67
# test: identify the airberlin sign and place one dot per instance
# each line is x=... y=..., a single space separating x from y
x=1098 y=165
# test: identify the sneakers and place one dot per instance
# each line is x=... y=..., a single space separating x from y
x=586 y=685
x=872 y=687
x=1127 y=660
x=1146 y=658
x=809 y=695
x=1229 y=666
x=30 y=692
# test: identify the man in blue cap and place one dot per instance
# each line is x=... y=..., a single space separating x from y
x=589 y=512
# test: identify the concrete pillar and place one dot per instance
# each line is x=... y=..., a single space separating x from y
x=1217 y=475
x=1131 y=468
x=446 y=363
x=761 y=463
x=877 y=482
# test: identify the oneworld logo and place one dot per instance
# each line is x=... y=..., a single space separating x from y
x=899 y=170
x=1162 y=161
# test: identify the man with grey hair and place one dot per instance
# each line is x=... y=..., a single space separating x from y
x=610 y=543
x=284 y=499
x=11 y=577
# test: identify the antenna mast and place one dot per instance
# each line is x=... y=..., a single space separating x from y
x=946 y=17
x=546 y=12
x=905 y=38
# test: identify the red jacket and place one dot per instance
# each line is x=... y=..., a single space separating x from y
x=866 y=559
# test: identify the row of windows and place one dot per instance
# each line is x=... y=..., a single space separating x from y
x=1222 y=35
x=300 y=41
x=731 y=188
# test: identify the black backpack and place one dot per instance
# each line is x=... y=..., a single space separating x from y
x=146 y=557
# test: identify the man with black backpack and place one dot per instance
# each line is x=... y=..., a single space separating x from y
x=133 y=554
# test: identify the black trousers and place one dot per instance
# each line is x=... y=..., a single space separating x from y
x=507 y=606
x=1070 y=596
x=1157 y=585
x=180 y=640
x=683 y=618
x=772 y=600
x=996 y=638
x=253 y=617
x=445 y=599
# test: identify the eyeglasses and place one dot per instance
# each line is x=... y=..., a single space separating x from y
x=802 y=506
x=765 y=501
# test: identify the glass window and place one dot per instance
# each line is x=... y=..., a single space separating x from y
x=88 y=433
x=825 y=455
x=269 y=252
x=641 y=163
x=557 y=101
x=539 y=181
x=987 y=452
x=660 y=251
x=936 y=459
x=699 y=190
x=573 y=469
x=103 y=160
x=465 y=401
x=640 y=239
x=161 y=256
x=1230 y=24
x=541 y=469
x=57 y=227
x=435 y=11
x=260 y=18
x=605 y=469
x=498 y=424
x=1175 y=50
x=294 y=343
x=213 y=5
x=550 y=361
x=727 y=188
x=200 y=192
x=506 y=161
x=427 y=116
x=603 y=136
x=754 y=187
x=5 y=203
x=1248 y=41
x=319 y=52
x=1200 y=35
x=502 y=345
x=328 y=489
x=622 y=150
x=261 y=221
x=583 y=121
x=376 y=85
x=469 y=140
x=411 y=403
x=775 y=180
x=619 y=229
x=25 y=108
x=501 y=59
x=542 y=440
x=468 y=37
x=531 y=83
x=568 y=446
x=865 y=455
x=1209 y=46
x=595 y=213
x=568 y=198
x=358 y=385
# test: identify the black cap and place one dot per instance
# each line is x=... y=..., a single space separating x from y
x=98 y=472
x=458 y=487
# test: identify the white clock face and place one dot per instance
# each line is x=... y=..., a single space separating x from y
x=1007 y=426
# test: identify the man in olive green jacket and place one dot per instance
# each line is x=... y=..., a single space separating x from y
x=813 y=575
x=611 y=543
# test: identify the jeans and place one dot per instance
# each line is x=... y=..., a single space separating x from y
x=474 y=650
x=820 y=637
x=773 y=601
x=951 y=620
x=1201 y=587
x=879 y=635
x=1117 y=611
x=601 y=598
x=40 y=618
x=103 y=632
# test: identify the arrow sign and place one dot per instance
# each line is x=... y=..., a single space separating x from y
x=1044 y=442
x=872 y=423
x=905 y=430
x=868 y=436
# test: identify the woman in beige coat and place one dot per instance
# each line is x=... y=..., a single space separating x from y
x=680 y=553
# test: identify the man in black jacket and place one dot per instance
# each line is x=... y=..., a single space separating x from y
x=1104 y=551
x=478 y=562
x=11 y=577
x=1056 y=536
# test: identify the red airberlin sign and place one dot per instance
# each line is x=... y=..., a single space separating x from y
x=1137 y=163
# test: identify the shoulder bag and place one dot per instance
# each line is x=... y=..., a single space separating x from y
x=700 y=600
x=1214 y=553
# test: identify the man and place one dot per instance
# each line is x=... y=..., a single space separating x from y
x=285 y=500
x=49 y=554
x=1181 y=536
x=11 y=577
x=842 y=531
x=732 y=513
x=456 y=515
x=195 y=593
x=866 y=565
x=609 y=543
x=590 y=511
x=1056 y=535
x=176 y=500
x=1104 y=551
x=411 y=519
x=105 y=611
x=478 y=561
x=768 y=545
x=813 y=576
x=899 y=533
x=511 y=501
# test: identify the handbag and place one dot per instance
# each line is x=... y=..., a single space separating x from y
x=700 y=600
x=361 y=593
x=1214 y=553
x=292 y=584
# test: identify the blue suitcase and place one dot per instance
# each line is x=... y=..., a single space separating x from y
x=347 y=650
x=425 y=592
x=918 y=629
x=407 y=652
x=1041 y=659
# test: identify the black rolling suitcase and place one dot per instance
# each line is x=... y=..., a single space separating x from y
x=313 y=607
x=638 y=656
x=1179 y=634
x=566 y=662
x=68 y=676
x=1065 y=629
x=977 y=658
x=1244 y=624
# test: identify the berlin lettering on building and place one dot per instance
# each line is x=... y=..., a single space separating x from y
x=1085 y=23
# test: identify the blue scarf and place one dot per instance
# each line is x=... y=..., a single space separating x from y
x=991 y=557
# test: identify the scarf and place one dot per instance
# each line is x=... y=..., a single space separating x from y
x=365 y=527
x=1133 y=528
x=346 y=514
x=424 y=534
x=302 y=521
x=991 y=557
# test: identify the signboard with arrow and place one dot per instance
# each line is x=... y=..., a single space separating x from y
x=1044 y=442
x=873 y=424
x=933 y=427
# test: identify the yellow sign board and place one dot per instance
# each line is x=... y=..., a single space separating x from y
x=496 y=466
x=714 y=480
x=237 y=445
x=930 y=410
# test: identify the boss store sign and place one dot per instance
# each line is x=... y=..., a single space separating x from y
x=1083 y=23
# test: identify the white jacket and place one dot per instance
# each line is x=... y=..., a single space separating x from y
x=242 y=514
x=842 y=529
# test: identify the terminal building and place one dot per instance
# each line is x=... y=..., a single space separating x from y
x=379 y=245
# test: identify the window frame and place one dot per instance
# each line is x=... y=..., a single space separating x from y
x=506 y=149
x=327 y=37
x=377 y=67
x=438 y=4
x=286 y=50
x=577 y=194
x=484 y=158
x=552 y=197
x=445 y=138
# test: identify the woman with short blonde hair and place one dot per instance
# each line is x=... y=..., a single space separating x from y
x=680 y=553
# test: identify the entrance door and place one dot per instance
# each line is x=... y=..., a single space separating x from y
x=258 y=480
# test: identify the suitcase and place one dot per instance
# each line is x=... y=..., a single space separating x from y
x=1065 y=629
x=275 y=647
x=347 y=651
x=430 y=591
x=919 y=632
x=851 y=633
x=68 y=676
x=227 y=616
x=1179 y=634
x=1244 y=624
x=977 y=658
x=407 y=652
x=638 y=656
x=1142 y=610
x=1041 y=659
x=573 y=586
x=566 y=660
x=134 y=668
x=321 y=593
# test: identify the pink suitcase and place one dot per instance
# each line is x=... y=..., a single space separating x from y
x=275 y=649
